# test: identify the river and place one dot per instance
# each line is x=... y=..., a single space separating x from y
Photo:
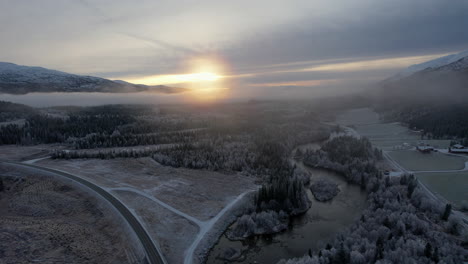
x=311 y=230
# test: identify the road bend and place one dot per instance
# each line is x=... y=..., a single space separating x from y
x=153 y=254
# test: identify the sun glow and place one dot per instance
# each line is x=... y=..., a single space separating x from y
x=204 y=77
x=177 y=78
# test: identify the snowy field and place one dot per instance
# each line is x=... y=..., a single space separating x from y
x=18 y=153
x=196 y=192
x=452 y=186
x=387 y=136
x=178 y=206
x=391 y=138
x=173 y=232
x=46 y=220
x=416 y=161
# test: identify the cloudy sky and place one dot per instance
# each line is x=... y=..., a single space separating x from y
x=259 y=46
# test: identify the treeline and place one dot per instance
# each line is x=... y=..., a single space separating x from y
x=282 y=196
x=215 y=155
x=44 y=129
x=117 y=139
x=252 y=145
x=95 y=127
x=354 y=158
x=105 y=154
x=448 y=121
x=234 y=153
x=242 y=152
x=11 y=111
x=400 y=225
x=284 y=192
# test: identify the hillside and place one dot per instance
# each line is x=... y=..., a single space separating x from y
x=432 y=64
x=431 y=99
x=17 y=79
x=437 y=81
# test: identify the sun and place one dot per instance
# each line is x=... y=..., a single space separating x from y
x=205 y=78
x=177 y=78
x=212 y=82
x=199 y=69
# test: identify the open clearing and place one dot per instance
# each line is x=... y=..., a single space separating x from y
x=390 y=137
x=451 y=185
x=173 y=232
x=178 y=206
x=387 y=136
x=19 y=153
x=201 y=194
x=415 y=161
x=47 y=221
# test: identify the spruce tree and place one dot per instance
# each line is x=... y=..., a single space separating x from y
x=447 y=211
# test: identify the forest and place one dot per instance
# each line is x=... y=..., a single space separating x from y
x=354 y=158
x=401 y=223
x=11 y=111
x=279 y=198
x=96 y=127
x=443 y=121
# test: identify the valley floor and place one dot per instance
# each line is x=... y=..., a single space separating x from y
x=47 y=220
x=184 y=210
x=443 y=174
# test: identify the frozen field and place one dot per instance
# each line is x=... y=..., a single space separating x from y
x=416 y=161
x=387 y=136
x=198 y=193
x=17 y=153
x=173 y=232
x=49 y=221
x=391 y=137
x=178 y=206
x=452 y=186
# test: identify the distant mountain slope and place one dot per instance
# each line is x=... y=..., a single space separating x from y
x=442 y=79
x=17 y=79
x=433 y=99
x=432 y=64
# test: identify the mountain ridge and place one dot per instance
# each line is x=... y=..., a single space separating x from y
x=442 y=80
x=20 y=79
x=431 y=64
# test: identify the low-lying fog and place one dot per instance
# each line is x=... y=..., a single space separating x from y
x=85 y=99
x=234 y=95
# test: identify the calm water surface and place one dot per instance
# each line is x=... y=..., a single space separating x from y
x=309 y=231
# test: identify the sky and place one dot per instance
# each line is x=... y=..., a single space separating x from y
x=249 y=47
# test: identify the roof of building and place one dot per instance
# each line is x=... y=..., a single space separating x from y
x=425 y=147
x=463 y=150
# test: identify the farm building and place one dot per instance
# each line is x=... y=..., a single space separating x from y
x=458 y=149
x=425 y=148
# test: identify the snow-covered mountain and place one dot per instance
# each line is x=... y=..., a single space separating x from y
x=17 y=79
x=456 y=66
x=444 y=79
x=432 y=65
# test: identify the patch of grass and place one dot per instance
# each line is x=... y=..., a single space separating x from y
x=452 y=186
x=416 y=161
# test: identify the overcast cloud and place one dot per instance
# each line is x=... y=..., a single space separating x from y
x=118 y=39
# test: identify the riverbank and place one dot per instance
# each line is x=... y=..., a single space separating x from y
x=309 y=231
x=398 y=142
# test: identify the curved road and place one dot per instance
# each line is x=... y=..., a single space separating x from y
x=153 y=255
